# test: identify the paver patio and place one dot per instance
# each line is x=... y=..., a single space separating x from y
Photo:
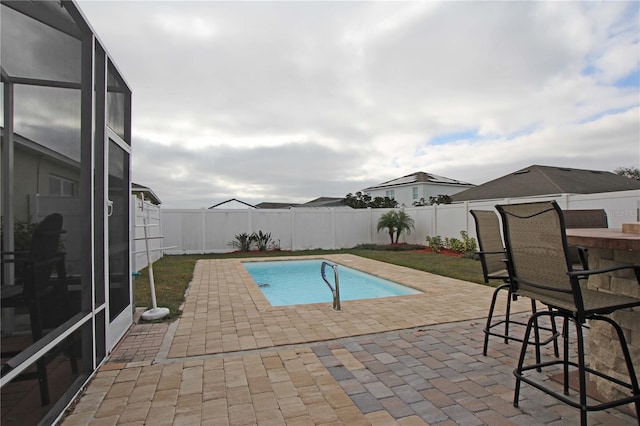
x=234 y=359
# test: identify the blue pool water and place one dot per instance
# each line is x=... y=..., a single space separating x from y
x=297 y=282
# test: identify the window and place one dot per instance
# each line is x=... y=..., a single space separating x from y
x=61 y=187
x=390 y=193
x=415 y=192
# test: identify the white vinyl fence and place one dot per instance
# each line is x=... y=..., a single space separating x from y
x=212 y=231
x=141 y=211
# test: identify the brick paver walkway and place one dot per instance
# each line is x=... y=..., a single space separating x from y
x=283 y=366
x=142 y=343
x=225 y=311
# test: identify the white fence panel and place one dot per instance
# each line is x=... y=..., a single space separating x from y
x=450 y=219
x=183 y=229
x=144 y=210
x=621 y=207
x=423 y=224
x=352 y=227
x=313 y=229
x=328 y=228
x=219 y=238
x=276 y=222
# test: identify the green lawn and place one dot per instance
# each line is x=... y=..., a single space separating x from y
x=172 y=274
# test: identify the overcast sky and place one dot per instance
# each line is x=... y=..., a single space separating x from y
x=289 y=101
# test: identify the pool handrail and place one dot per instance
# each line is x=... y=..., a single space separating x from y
x=334 y=291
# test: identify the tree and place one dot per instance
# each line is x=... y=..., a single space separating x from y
x=419 y=203
x=440 y=199
x=396 y=222
x=404 y=222
x=388 y=220
x=363 y=201
x=383 y=202
x=357 y=201
x=630 y=172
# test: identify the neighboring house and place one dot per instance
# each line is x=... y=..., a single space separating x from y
x=416 y=188
x=324 y=202
x=42 y=172
x=145 y=193
x=233 y=203
x=547 y=180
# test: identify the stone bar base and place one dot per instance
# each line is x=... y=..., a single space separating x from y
x=606 y=355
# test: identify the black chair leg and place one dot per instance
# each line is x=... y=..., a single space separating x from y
x=43 y=381
x=507 y=323
x=582 y=371
x=565 y=348
x=489 y=324
x=536 y=333
x=523 y=351
x=507 y=318
x=554 y=331
x=582 y=400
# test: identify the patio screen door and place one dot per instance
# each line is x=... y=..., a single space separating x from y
x=119 y=273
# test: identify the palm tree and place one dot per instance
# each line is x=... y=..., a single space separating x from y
x=404 y=222
x=388 y=220
x=396 y=222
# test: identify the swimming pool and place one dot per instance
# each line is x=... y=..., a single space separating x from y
x=298 y=282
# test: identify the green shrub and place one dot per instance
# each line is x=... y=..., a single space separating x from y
x=242 y=241
x=465 y=245
x=435 y=243
x=261 y=240
x=454 y=244
x=469 y=243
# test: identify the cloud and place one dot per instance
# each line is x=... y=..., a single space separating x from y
x=288 y=101
x=196 y=177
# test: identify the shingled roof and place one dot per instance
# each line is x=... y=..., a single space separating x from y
x=546 y=180
x=419 y=177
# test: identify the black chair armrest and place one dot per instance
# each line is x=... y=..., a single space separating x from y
x=586 y=273
x=13 y=253
x=15 y=256
x=491 y=252
x=18 y=260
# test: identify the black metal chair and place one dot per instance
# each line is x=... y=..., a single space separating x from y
x=33 y=289
x=540 y=268
x=493 y=259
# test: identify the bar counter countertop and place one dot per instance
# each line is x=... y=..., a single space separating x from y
x=604 y=238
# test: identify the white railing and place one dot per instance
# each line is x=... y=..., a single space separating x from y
x=198 y=231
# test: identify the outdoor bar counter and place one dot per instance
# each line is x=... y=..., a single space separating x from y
x=608 y=247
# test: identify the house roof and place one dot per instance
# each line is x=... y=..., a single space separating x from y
x=420 y=177
x=272 y=205
x=324 y=202
x=317 y=202
x=146 y=192
x=545 y=180
x=232 y=201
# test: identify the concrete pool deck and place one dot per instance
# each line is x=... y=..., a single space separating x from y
x=233 y=359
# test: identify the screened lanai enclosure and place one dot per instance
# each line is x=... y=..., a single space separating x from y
x=66 y=148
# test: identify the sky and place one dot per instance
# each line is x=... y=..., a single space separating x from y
x=290 y=101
